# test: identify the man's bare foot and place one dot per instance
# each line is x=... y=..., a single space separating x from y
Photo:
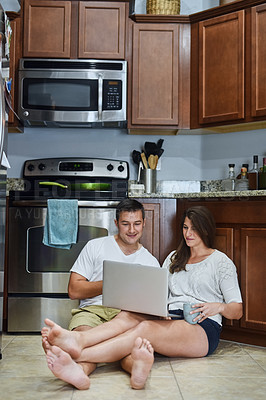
x=63 y=367
x=143 y=358
x=66 y=340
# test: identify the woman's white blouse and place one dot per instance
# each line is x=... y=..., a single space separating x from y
x=211 y=280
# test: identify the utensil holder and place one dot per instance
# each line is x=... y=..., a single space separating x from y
x=149 y=178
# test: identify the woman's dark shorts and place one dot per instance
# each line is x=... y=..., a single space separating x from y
x=212 y=329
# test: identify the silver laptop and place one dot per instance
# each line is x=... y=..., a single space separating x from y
x=135 y=287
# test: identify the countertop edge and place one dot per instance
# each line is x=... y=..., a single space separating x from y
x=200 y=195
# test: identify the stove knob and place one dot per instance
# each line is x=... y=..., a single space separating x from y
x=121 y=168
x=31 y=167
x=41 y=167
x=110 y=167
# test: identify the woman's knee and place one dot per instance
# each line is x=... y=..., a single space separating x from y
x=129 y=316
x=127 y=319
x=144 y=327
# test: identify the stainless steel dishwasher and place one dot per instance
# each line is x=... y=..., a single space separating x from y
x=38 y=274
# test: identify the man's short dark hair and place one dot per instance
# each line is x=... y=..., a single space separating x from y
x=129 y=205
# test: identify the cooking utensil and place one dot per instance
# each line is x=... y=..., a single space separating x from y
x=80 y=186
x=160 y=152
x=144 y=160
x=160 y=143
x=156 y=158
x=136 y=156
x=139 y=171
x=151 y=161
x=150 y=148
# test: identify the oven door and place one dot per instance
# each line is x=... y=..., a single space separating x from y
x=36 y=268
x=37 y=274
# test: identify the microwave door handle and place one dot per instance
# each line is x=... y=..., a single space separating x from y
x=100 y=97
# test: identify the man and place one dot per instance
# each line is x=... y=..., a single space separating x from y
x=85 y=281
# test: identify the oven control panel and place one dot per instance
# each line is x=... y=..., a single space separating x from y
x=76 y=167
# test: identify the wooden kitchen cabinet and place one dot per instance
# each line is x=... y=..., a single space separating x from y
x=102 y=30
x=228 y=68
x=258 y=64
x=221 y=68
x=253 y=280
x=225 y=241
x=160 y=232
x=159 y=75
x=151 y=234
x=241 y=234
x=74 y=29
x=47 y=28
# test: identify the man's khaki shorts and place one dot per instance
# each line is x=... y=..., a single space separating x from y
x=91 y=316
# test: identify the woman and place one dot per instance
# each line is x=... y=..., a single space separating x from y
x=198 y=274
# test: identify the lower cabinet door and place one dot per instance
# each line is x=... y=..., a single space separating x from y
x=253 y=277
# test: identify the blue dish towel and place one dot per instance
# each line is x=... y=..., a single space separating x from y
x=61 y=225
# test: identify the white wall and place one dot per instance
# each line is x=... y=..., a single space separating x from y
x=194 y=6
x=186 y=157
x=191 y=157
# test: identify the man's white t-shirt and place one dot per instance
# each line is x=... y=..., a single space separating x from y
x=90 y=261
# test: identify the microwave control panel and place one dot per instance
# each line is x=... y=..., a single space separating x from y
x=112 y=94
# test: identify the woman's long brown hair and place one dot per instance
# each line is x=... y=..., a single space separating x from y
x=203 y=222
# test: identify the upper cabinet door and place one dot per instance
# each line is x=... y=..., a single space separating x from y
x=102 y=30
x=258 y=59
x=47 y=27
x=221 y=68
x=155 y=67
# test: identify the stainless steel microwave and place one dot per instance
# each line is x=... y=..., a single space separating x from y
x=84 y=93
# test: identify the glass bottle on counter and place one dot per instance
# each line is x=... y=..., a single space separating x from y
x=262 y=175
x=243 y=166
x=229 y=183
x=253 y=175
x=242 y=183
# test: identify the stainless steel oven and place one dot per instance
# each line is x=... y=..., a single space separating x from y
x=38 y=274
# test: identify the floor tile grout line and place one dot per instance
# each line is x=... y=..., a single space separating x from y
x=176 y=381
x=73 y=393
x=11 y=340
x=264 y=370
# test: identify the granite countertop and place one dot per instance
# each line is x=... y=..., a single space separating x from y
x=200 y=195
x=193 y=189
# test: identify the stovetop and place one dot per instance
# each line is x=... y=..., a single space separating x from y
x=76 y=168
x=73 y=178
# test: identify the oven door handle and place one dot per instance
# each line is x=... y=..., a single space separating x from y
x=100 y=97
x=28 y=244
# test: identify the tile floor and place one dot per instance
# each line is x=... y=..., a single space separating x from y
x=234 y=371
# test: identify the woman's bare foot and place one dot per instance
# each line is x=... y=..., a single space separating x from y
x=66 y=340
x=143 y=358
x=63 y=367
x=45 y=344
x=45 y=331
